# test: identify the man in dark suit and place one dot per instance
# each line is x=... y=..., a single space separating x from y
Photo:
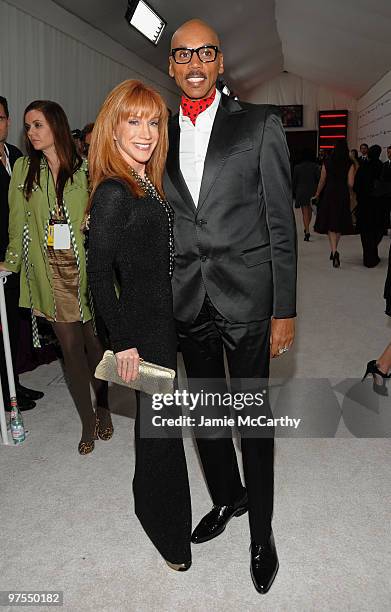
x=8 y=155
x=364 y=148
x=234 y=283
x=386 y=186
x=387 y=166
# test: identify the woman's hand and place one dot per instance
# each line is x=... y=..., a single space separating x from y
x=128 y=364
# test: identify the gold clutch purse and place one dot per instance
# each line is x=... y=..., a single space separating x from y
x=152 y=378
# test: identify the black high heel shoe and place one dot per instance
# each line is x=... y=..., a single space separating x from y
x=85 y=448
x=336 y=261
x=331 y=256
x=307 y=236
x=374 y=370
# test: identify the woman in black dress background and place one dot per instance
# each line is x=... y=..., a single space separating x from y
x=131 y=240
x=334 y=217
x=304 y=183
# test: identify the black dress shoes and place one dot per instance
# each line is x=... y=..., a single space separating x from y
x=28 y=394
x=264 y=564
x=179 y=567
x=214 y=523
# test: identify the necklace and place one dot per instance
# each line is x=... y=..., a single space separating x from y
x=151 y=190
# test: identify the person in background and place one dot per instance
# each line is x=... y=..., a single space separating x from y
x=336 y=180
x=48 y=196
x=364 y=148
x=86 y=135
x=322 y=156
x=386 y=188
x=353 y=199
x=8 y=155
x=131 y=238
x=380 y=368
x=387 y=166
x=370 y=214
x=304 y=184
x=77 y=139
x=354 y=157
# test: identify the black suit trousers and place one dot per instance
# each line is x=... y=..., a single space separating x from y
x=247 y=351
x=11 y=292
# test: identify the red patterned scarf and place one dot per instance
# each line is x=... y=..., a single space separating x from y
x=192 y=108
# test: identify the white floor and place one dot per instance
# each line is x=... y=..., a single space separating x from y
x=67 y=521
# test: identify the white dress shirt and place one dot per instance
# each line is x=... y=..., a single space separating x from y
x=193 y=145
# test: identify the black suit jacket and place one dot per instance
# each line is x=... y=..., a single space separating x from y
x=386 y=172
x=239 y=244
x=14 y=153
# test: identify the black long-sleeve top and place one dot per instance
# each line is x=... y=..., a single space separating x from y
x=128 y=244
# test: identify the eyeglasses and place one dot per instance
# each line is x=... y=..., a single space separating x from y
x=206 y=53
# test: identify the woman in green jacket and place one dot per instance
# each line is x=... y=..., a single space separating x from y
x=48 y=196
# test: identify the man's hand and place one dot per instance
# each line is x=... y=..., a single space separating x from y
x=281 y=336
x=128 y=364
x=2 y=267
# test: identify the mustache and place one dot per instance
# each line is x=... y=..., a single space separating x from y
x=195 y=74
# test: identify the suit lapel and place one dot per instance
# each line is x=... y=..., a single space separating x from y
x=223 y=135
x=173 y=167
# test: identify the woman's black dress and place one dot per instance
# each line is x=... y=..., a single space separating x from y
x=334 y=206
x=129 y=238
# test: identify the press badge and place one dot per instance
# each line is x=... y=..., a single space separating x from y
x=59 y=236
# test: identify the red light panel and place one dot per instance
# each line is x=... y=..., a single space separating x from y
x=331 y=116
x=337 y=125
x=332 y=127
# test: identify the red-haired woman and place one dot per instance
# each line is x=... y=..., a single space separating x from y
x=48 y=195
x=131 y=238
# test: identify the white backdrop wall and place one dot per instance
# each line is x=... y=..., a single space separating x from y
x=374 y=115
x=47 y=53
x=289 y=88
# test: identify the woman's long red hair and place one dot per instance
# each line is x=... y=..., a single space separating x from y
x=130 y=98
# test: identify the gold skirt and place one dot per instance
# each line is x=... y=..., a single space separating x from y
x=65 y=283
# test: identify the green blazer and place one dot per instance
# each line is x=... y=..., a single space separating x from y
x=28 y=228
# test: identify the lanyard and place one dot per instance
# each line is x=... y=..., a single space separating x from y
x=59 y=210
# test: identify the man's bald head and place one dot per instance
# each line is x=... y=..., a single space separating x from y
x=197 y=77
x=191 y=28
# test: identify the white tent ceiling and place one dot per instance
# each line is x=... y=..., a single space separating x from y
x=342 y=44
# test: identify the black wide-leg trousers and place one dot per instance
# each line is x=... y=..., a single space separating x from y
x=161 y=489
x=247 y=348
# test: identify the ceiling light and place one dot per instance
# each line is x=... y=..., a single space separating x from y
x=142 y=17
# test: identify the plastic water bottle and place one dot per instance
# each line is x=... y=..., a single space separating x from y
x=16 y=423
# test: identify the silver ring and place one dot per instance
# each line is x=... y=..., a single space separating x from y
x=283 y=350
